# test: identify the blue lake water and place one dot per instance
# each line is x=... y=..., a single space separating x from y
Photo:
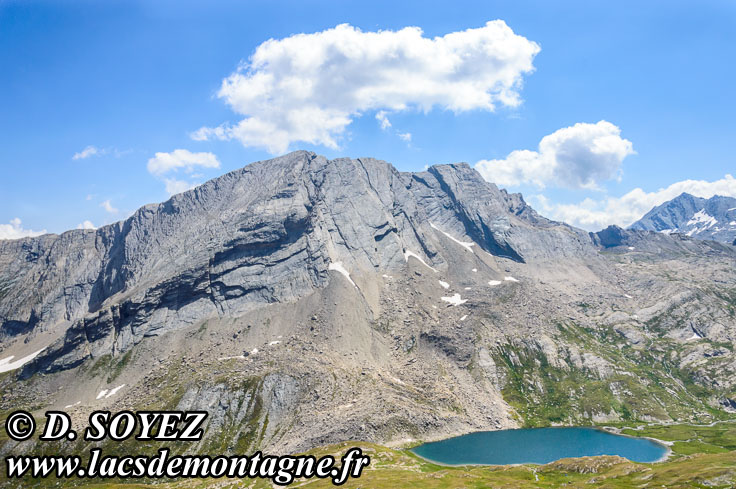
x=537 y=446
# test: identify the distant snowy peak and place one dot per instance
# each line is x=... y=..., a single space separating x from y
x=713 y=218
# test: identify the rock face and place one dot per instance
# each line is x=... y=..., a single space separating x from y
x=713 y=218
x=263 y=234
x=305 y=301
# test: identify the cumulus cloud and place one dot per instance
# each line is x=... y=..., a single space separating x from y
x=14 y=230
x=593 y=215
x=181 y=159
x=107 y=205
x=86 y=225
x=578 y=156
x=309 y=87
x=87 y=152
x=174 y=186
x=382 y=119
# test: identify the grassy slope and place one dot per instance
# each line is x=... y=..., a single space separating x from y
x=652 y=386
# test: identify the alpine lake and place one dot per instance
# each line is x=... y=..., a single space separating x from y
x=538 y=446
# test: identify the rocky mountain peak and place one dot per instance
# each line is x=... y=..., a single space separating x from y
x=713 y=218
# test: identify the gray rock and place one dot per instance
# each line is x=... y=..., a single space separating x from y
x=262 y=234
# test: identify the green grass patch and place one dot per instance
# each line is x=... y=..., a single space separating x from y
x=690 y=439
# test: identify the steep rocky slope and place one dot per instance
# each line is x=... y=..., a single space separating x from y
x=304 y=301
x=713 y=218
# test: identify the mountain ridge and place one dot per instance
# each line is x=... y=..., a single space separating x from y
x=305 y=301
x=116 y=243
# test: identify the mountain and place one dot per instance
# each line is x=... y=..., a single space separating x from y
x=713 y=218
x=303 y=301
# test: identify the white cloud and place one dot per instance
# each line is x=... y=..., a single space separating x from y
x=579 y=156
x=87 y=152
x=206 y=133
x=107 y=205
x=309 y=87
x=383 y=119
x=90 y=151
x=163 y=163
x=86 y=225
x=14 y=230
x=405 y=136
x=625 y=210
x=181 y=158
x=174 y=186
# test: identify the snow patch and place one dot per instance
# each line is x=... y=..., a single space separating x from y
x=732 y=223
x=114 y=391
x=72 y=405
x=465 y=244
x=509 y=278
x=493 y=283
x=463 y=318
x=408 y=253
x=254 y=351
x=455 y=300
x=467 y=288
x=631 y=248
x=337 y=266
x=627 y=296
x=444 y=285
x=701 y=221
x=276 y=342
x=6 y=365
x=474 y=270
x=702 y=217
x=106 y=393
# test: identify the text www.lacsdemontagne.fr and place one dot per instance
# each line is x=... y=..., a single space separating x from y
x=282 y=470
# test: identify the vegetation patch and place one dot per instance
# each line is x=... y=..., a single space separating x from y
x=644 y=383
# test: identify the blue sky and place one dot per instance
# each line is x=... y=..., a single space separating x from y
x=636 y=99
